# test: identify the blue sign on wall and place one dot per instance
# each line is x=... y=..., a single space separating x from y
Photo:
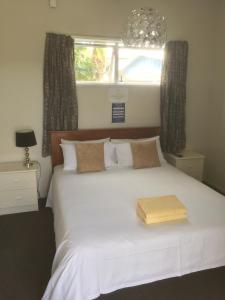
x=118 y=112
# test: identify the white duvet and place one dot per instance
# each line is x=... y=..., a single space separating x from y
x=103 y=246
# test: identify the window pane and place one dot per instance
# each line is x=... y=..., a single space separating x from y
x=94 y=63
x=140 y=65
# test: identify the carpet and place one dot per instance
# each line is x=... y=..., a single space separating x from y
x=26 y=253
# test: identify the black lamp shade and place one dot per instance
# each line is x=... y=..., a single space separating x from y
x=25 y=138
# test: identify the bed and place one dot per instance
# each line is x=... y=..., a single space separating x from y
x=102 y=245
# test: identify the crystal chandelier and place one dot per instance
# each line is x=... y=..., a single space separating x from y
x=146 y=28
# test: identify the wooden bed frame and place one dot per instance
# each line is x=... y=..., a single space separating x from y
x=94 y=134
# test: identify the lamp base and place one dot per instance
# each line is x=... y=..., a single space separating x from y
x=27 y=162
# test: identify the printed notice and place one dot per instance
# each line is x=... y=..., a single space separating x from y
x=118 y=112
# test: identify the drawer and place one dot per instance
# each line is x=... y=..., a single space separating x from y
x=18 y=198
x=17 y=180
x=189 y=163
x=193 y=167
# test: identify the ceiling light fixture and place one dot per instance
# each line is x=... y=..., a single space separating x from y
x=146 y=28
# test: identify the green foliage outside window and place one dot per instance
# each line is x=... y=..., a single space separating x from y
x=90 y=63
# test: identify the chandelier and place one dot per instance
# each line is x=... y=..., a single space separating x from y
x=146 y=28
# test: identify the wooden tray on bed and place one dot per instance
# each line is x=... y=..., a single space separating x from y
x=94 y=134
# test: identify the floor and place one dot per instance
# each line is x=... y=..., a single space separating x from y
x=27 y=249
x=26 y=253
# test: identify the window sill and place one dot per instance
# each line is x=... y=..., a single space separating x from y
x=120 y=84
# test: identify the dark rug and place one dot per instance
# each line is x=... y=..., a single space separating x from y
x=27 y=249
x=205 y=285
x=26 y=252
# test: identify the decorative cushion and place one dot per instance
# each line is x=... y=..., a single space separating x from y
x=90 y=157
x=145 y=154
x=121 y=141
x=70 y=157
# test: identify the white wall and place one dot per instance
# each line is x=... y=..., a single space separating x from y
x=216 y=136
x=23 y=25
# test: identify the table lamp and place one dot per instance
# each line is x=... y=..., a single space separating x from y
x=26 y=139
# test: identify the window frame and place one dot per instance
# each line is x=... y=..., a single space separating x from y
x=115 y=44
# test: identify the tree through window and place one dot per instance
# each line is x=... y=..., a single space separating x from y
x=101 y=61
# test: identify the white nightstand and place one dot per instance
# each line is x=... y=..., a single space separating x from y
x=191 y=163
x=18 y=188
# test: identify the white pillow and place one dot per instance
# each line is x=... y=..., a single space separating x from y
x=69 y=157
x=70 y=160
x=87 y=141
x=127 y=141
x=124 y=155
x=109 y=155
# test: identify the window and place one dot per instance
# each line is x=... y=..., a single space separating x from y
x=102 y=61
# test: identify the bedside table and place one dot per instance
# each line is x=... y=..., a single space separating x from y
x=191 y=163
x=18 y=188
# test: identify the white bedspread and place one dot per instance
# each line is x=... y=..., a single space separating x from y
x=102 y=245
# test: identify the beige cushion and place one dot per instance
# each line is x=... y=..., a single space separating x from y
x=145 y=155
x=90 y=157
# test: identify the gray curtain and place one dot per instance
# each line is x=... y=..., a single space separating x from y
x=173 y=96
x=60 y=111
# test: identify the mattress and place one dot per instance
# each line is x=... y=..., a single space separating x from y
x=103 y=246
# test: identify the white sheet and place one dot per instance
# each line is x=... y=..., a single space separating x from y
x=102 y=245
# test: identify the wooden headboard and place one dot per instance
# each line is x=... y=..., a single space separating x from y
x=94 y=134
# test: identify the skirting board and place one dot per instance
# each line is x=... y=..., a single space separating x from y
x=18 y=209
